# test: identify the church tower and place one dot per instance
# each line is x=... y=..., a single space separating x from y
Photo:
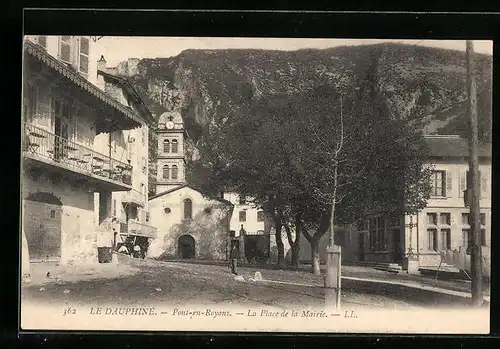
x=170 y=152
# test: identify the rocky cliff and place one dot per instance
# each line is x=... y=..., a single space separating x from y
x=425 y=86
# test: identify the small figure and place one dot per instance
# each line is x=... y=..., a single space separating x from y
x=234 y=259
x=123 y=249
x=137 y=251
x=242 y=231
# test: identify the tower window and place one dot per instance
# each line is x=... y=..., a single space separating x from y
x=166 y=146
x=174 y=146
x=175 y=172
x=166 y=171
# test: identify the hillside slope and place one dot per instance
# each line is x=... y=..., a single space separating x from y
x=425 y=86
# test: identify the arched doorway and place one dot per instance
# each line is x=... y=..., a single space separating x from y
x=186 y=247
x=42 y=226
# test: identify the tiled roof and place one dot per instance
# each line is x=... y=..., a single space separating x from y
x=127 y=85
x=453 y=147
x=77 y=79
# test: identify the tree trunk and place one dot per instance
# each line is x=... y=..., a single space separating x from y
x=295 y=256
x=295 y=245
x=280 y=245
x=315 y=255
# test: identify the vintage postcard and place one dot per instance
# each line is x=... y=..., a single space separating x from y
x=250 y=184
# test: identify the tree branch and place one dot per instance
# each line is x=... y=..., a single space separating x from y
x=306 y=234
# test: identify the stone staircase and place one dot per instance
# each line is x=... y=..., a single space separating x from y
x=444 y=271
x=384 y=266
x=389 y=267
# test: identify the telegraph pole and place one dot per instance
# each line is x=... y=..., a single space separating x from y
x=473 y=185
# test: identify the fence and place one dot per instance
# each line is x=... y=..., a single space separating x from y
x=461 y=260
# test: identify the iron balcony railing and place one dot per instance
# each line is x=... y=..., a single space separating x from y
x=141 y=229
x=41 y=143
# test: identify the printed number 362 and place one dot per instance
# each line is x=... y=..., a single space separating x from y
x=69 y=311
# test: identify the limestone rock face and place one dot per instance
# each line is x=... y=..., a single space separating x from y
x=422 y=85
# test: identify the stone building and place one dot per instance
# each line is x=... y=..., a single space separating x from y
x=129 y=208
x=67 y=178
x=443 y=225
x=189 y=224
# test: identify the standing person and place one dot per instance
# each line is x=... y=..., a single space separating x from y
x=242 y=231
x=234 y=259
x=137 y=251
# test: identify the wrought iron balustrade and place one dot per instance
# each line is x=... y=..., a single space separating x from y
x=40 y=143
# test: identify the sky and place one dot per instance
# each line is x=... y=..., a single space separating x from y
x=117 y=49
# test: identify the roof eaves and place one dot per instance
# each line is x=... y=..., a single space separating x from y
x=186 y=186
x=129 y=87
x=77 y=79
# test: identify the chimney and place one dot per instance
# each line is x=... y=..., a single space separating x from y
x=101 y=66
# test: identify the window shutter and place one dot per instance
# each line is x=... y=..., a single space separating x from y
x=43 y=107
x=84 y=55
x=42 y=41
x=449 y=184
x=462 y=184
x=484 y=183
x=65 y=48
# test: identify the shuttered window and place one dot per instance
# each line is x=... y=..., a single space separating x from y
x=42 y=41
x=166 y=172
x=84 y=55
x=175 y=172
x=449 y=184
x=432 y=239
x=65 y=49
x=166 y=146
x=438 y=183
x=482 y=183
x=445 y=239
x=463 y=184
x=174 y=146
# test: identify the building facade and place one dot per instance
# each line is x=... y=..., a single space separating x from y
x=67 y=179
x=189 y=224
x=130 y=208
x=253 y=220
x=443 y=225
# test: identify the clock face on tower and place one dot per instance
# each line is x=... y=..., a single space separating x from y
x=170 y=125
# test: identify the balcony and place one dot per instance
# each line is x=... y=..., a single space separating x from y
x=56 y=151
x=140 y=229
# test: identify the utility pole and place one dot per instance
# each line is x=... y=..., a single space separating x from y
x=473 y=183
